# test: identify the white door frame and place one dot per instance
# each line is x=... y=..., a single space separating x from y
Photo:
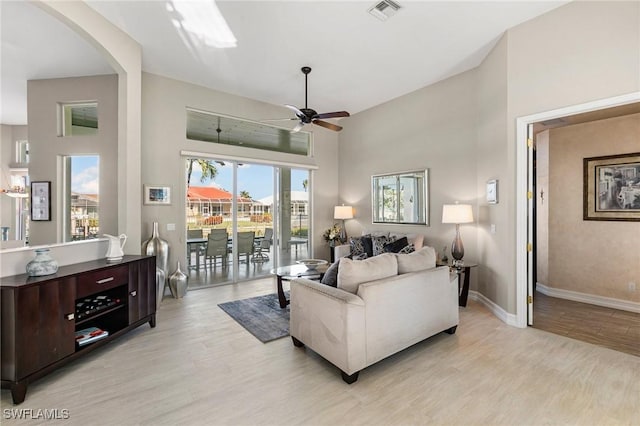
x=523 y=174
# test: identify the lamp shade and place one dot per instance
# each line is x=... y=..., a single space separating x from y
x=457 y=213
x=343 y=212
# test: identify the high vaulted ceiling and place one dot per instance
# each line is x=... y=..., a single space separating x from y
x=358 y=61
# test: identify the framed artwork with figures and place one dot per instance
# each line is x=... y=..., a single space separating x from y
x=41 y=201
x=612 y=187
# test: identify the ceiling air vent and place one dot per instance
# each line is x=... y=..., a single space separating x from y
x=384 y=10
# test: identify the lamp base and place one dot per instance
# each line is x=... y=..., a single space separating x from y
x=343 y=233
x=457 y=248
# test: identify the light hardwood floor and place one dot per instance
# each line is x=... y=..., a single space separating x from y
x=199 y=367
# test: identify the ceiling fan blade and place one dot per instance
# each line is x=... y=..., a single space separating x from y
x=332 y=114
x=327 y=125
x=280 y=119
x=295 y=110
x=298 y=127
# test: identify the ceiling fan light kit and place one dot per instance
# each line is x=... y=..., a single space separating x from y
x=307 y=115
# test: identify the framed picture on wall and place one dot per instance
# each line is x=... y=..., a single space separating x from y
x=157 y=194
x=612 y=187
x=41 y=201
x=492 y=191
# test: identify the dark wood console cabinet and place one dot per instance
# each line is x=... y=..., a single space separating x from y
x=40 y=315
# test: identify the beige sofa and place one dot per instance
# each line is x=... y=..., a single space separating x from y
x=354 y=329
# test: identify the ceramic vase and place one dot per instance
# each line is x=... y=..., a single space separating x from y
x=160 y=284
x=156 y=246
x=178 y=283
x=42 y=264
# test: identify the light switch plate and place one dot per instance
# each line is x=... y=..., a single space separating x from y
x=171 y=226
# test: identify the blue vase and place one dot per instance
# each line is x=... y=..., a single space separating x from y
x=42 y=264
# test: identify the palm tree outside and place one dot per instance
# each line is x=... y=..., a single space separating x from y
x=209 y=170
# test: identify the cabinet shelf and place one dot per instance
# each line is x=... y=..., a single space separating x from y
x=97 y=315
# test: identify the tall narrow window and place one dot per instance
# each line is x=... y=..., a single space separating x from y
x=81 y=197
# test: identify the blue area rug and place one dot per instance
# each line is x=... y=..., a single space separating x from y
x=261 y=316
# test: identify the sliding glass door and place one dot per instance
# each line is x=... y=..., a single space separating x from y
x=262 y=211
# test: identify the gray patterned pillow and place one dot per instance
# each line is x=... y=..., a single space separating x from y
x=379 y=243
x=357 y=247
x=409 y=248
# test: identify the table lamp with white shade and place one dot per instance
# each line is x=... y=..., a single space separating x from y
x=457 y=213
x=343 y=212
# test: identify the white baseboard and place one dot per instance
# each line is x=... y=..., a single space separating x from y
x=607 y=302
x=504 y=316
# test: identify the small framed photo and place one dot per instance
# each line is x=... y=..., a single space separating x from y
x=492 y=191
x=41 y=200
x=157 y=195
x=612 y=187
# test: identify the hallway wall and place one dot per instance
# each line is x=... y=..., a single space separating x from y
x=598 y=258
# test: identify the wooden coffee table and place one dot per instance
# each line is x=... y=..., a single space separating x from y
x=288 y=273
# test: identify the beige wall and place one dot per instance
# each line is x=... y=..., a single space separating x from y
x=432 y=128
x=46 y=147
x=494 y=162
x=163 y=138
x=593 y=257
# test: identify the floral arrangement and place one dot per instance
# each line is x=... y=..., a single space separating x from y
x=332 y=235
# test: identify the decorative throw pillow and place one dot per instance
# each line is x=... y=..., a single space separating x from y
x=417 y=241
x=396 y=246
x=409 y=248
x=422 y=259
x=360 y=245
x=379 y=243
x=352 y=273
x=330 y=277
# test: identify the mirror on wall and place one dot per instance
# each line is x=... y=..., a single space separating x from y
x=400 y=198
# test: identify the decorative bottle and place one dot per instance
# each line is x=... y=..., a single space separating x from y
x=156 y=246
x=178 y=283
x=42 y=264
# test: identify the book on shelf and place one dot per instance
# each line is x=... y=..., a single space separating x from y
x=89 y=335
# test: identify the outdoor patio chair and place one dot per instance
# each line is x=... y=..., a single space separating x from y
x=198 y=249
x=217 y=246
x=245 y=244
x=263 y=246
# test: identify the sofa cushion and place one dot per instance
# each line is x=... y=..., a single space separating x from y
x=396 y=246
x=352 y=273
x=330 y=277
x=419 y=260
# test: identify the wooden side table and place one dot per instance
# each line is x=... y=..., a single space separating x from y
x=463 y=287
